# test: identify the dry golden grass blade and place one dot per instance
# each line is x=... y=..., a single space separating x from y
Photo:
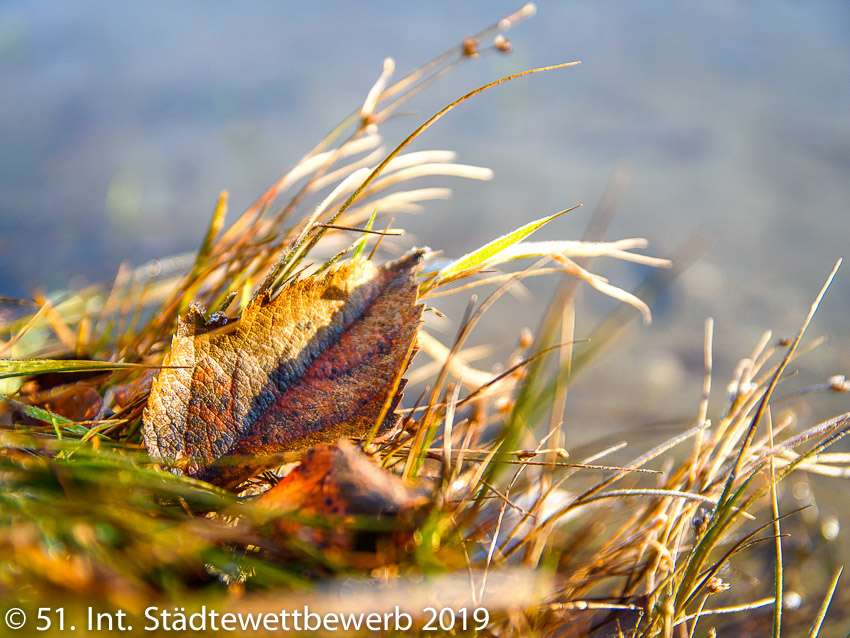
x=827 y=600
x=58 y=324
x=602 y=285
x=8 y=348
x=702 y=415
x=408 y=201
x=618 y=249
x=492 y=279
x=429 y=169
x=367 y=111
x=775 y=379
x=777 y=534
x=732 y=609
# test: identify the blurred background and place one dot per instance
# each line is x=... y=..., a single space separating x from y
x=120 y=123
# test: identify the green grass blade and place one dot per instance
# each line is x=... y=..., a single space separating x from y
x=19 y=368
x=361 y=243
x=486 y=253
x=46 y=416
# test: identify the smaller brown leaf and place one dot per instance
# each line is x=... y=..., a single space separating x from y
x=308 y=487
x=337 y=482
x=355 y=483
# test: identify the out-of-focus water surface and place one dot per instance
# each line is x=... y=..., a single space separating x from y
x=120 y=123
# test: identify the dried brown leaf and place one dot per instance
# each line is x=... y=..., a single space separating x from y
x=316 y=363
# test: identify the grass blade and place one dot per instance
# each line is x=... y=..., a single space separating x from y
x=18 y=368
x=481 y=256
x=825 y=604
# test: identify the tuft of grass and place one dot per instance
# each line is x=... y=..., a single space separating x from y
x=505 y=520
